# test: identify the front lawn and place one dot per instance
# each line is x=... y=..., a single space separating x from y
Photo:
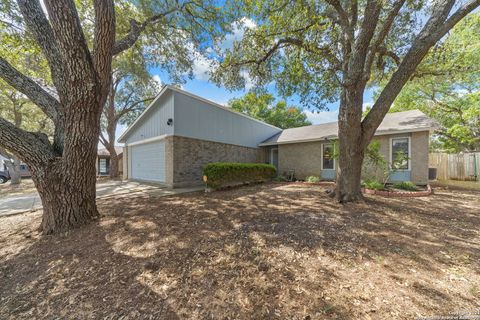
x=26 y=186
x=272 y=251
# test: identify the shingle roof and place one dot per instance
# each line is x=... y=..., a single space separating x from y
x=104 y=152
x=406 y=121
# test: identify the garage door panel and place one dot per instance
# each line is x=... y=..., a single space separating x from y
x=148 y=161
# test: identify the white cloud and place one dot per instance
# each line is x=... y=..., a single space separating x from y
x=157 y=79
x=238 y=30
x=249 y=83
x=322 y=117
x=201 y=66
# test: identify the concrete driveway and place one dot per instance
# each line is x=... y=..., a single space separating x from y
x=28 y=202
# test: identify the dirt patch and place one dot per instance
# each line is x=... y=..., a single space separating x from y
x=270 y=251
x=26 y=186
x=457 y=184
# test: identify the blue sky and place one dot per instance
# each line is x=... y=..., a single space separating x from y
x=201 y=86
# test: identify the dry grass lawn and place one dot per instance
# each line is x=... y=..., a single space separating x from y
x=26 y=186
x=273 y=251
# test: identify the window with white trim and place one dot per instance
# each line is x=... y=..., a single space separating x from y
x=400 y=153
x=328 y=162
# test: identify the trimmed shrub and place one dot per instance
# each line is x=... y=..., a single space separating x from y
x=313 y=179
x=220 y=174
x=405 y=185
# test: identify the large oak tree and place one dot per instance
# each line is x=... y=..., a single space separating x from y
x=63 y=169
x=332 y=50
x=446 y=87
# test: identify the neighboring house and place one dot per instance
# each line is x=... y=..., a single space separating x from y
x=103 y=161
x=179 y=133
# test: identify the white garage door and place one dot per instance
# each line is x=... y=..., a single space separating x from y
x=148 y=161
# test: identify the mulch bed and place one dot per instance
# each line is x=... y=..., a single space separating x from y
x=271 y=251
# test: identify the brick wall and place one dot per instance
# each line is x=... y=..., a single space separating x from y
x=186 y=158
x=419 y=157
x=304 y=158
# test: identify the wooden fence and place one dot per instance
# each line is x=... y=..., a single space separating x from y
x=461 y=166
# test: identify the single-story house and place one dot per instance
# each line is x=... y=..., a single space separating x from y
x=103 y=161
x=179 y=133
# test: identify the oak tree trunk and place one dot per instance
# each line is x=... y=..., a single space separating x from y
x=67 y=185
x=66 y=203
x=113 y=162
x=350 y=145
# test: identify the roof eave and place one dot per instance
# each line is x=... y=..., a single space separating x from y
x=327 y=138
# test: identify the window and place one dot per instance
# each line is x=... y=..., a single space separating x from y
x=103 y=165
x=327 y=156
x=400 y=155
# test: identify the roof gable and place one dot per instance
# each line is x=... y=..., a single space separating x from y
x=168 y=88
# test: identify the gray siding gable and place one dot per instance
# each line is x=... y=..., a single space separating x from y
x=199 y=119
x=154 y=122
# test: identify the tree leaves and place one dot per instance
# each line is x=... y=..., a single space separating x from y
x=446 y=86
x=261 y=105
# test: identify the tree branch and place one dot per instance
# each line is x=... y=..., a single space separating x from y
x=132 y=107
x=288 y=41
x=103 y=41
x=48 y=104
x=31 y=147
x=136 y=28
x=344 y=21
x=457 y=16
x=71 y=41
x=103 y=140
x=432 y=32
x=366 y=33
x=382 y=34
x=41 y=30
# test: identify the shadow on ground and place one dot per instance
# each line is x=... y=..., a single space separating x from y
x=263 y=252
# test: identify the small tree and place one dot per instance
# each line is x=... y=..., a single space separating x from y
x=131 y=90
x=376 y=167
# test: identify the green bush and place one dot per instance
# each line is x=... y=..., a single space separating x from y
x=406 y=185
x=313 y=179
x=221 y=174
x=280 y=178
x=373 y=184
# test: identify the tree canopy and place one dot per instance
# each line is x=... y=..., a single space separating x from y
x=333 y=50
x=262 y=106
x=446 y=86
